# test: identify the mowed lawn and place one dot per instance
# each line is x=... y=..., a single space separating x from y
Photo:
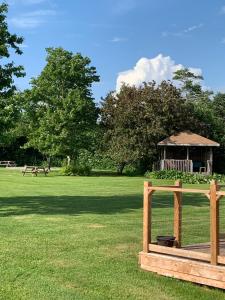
x=79 y=238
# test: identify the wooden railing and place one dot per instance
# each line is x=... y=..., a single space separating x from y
x=213 y=194
x=182 y=165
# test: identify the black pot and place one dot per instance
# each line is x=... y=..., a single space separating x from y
x=164 y=240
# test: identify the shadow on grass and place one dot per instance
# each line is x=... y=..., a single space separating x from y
x=77 y=205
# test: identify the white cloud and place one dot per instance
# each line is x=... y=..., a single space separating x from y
x=25 y=2
x=118 y=40
x=192 y=28
x=26 y=22
x=183 y=32
x=158 y=68
x=31 y=19
x=40 y=13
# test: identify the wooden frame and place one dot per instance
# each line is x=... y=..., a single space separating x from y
x=200 y=263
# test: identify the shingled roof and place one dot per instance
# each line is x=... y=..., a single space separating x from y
x=187 y=138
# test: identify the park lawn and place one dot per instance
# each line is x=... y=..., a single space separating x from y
x=79 y=238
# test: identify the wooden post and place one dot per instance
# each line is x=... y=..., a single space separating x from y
x=214 y=223
x=164 y=153
x=178 y=214
x=147 y=217
x=188 y=155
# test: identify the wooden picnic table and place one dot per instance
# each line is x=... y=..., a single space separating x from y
x=7 y=163
x=34 y=170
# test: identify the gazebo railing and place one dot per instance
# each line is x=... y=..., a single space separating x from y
x=182 y=165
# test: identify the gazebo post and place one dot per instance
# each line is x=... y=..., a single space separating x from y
x=164 y=153
x=188 y=154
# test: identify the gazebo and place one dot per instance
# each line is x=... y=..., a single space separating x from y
x=187 y=152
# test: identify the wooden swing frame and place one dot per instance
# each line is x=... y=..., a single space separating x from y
x=202 y=263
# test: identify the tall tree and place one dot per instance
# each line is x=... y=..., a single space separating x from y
x=61 y=114
x=8 y=41
x=190 y=83
x=135 y=119
x=8 y=70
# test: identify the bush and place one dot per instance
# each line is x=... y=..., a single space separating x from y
x=75 y=169
x=191 y=178
x=130 y=170
x=102 y=162
x=80 y=167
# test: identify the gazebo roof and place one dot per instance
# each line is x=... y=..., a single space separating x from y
x=188 y=138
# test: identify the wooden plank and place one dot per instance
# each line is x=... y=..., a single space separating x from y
x=186 y=277
x=147 y=217
x=180 y=252
x=175 y=189
x=177 y=214
x=185 y=266
x=220 y=193
x=214 y=223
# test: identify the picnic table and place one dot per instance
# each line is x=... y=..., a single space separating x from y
x=7 y=163
x=34 y=170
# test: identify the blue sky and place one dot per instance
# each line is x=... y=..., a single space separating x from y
x=127 y=40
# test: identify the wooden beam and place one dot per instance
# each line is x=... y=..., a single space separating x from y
x=185 y=269
x=214 y=223
x=147 y=216
x=178 y=214
x=180 y=252
x=183 y=190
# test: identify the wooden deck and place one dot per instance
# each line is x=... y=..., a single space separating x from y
x=183 y=268
x=205 y=247
x=199 y=263
x=191 y=263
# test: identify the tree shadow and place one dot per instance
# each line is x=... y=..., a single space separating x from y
x=78 y=205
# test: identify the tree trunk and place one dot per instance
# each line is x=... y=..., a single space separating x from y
x=49 y=162
x=120 y=168
x=68 y=160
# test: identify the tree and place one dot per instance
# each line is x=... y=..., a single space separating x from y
x=8 y=41
x=190 y=83
x=135 y=119
x=60 y=112
x=8 y=70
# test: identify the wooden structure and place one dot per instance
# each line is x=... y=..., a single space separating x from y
x=201 y=263
x=186 y=152
x=34 y=170
x=7 y=163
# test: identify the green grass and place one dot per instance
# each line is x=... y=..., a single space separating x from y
x=79 y=238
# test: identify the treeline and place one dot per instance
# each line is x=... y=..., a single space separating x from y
x=57 y=120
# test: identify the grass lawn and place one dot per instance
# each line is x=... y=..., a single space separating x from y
x=79 y=238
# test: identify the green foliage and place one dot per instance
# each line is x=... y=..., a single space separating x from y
x=9 y=110
x=8 y=42
x=136 y=119
x=131 y=170
x=76 y=169
x=102 y=162
x=60 y=113
x=191 y=86
x=191 y=178
x=82 y=166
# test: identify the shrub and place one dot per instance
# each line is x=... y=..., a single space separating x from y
x=81 y=166
x=75 y=169
x=185 y=177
